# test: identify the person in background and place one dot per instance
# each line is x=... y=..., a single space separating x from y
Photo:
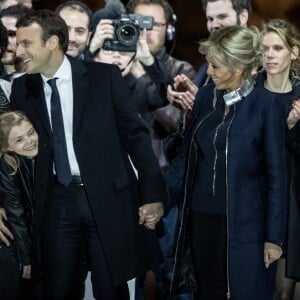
x=5 y=86
x=229 y=177
x=13 y=66
x=18 y=147
x=164 y=120
x=78 y=202
x=78 y=16
x=219 y=13
x=109 y=50
x=281 y=42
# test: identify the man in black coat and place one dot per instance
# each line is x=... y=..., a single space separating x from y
x=95 y=199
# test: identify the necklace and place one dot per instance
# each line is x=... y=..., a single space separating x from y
x=238 y=94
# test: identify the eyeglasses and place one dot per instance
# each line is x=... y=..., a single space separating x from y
x=158 y=25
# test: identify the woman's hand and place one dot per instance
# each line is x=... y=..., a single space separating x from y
x=272 y=252
x=294 y=115
x=26 y=272
x=182 y=100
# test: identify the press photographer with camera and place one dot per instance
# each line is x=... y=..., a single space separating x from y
x=121 y=40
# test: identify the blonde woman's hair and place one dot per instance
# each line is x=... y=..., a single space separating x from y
x=290 y=36
x=7 y=122
x=236 y=47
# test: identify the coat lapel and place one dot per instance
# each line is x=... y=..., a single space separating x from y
x=80 y=80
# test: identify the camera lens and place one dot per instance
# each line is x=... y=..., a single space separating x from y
x=127 y=34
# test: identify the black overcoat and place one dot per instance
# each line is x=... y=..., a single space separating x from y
x=106 y=129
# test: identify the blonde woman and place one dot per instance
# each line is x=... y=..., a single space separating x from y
x=281 y=42
x=18 y=146
x=230 y=177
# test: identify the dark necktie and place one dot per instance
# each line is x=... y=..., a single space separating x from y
x=62 y=167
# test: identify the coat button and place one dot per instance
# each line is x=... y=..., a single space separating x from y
x=45 y=145
x=42 y=182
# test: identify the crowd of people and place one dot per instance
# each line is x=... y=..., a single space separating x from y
x=119 y=159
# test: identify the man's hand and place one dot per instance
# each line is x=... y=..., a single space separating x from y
x=143 y=53
x=272 y=252
x=4 y=232
x=150 y=214
x=104 y=30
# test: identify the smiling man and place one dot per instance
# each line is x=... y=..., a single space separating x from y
x=81 y=191
x=77 y=15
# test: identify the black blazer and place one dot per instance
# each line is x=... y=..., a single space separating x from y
x=106 y=129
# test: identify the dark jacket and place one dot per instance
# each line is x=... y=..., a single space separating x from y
x=106 y=129
x=255 y=190
x=293 y=238
x=16 y=199
x=166 y=119
x=292 y=242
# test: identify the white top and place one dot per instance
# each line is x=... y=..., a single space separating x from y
x=65 y=88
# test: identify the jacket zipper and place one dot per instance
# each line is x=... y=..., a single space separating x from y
x=228 y=296
x=185 y=185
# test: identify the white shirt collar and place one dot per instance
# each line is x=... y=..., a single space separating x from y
x=64 y=72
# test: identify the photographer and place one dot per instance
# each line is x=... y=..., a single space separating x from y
x=105 y=47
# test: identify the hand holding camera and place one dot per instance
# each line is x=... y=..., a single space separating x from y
x=127 y=32
x=104 y=30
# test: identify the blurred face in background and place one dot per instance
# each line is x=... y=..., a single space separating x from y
x=157 y=36
x=78 y=27
x=221 y=14
x=121 y=59
x=9 y=56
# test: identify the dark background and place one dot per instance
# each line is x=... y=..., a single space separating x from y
x=191 y=23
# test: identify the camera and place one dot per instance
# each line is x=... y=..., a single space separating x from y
x=127 y=32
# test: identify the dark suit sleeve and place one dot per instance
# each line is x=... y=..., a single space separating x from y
x=135 y=137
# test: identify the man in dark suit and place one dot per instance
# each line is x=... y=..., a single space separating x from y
x=92 y=196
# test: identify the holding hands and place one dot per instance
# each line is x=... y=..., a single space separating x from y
x=150 y=214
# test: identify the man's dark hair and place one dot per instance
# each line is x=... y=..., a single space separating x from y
x=15 y=11
x=168 y=11
x=237 y=5
x=50 y=23
x=3 y=39
x=78 y=6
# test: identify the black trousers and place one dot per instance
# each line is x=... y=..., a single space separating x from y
x=69 y=229
x=208 y=245
x=12 y=285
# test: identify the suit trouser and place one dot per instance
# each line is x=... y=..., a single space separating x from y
x=70 y=228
